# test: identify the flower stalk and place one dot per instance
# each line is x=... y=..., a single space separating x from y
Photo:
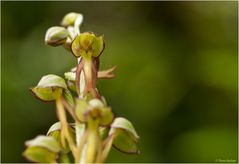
x=95 y=129
x=65 y=134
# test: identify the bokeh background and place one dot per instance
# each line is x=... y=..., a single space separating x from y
x=176 y=77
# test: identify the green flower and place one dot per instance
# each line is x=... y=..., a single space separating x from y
x=42 y=149
x=87 y=45
x=49 y=88
x=124 y=135
x=94 y=109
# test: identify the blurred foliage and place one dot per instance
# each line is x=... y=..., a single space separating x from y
x=176 y=77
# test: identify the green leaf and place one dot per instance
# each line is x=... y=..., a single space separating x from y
x=56 y=36
x=49 y=88
x=125 y=136
x=47 y=142
x=40 y=155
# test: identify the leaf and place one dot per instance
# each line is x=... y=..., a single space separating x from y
x=47 y=142
x=125 y=136
x=40 y=155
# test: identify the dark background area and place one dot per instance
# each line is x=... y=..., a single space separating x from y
x=176 y=77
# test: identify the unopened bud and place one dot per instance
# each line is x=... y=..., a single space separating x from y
x=56 y=36
x=70 y=19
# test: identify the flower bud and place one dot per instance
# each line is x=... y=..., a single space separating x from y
x=55 y=132
x=70 y=19
x=42 y=149
x=56 y=36
x=125 y=136
x=87 y=44
x=49 y=88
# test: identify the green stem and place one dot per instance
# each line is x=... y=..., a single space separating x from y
x=80 y=140
x=92 y=140
x=64 y=127
x=106 y=149
x=82 y=147
x=80 y=128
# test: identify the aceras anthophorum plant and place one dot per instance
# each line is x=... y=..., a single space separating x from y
x=95 y=129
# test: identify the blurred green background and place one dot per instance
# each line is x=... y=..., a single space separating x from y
x=176 y=77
